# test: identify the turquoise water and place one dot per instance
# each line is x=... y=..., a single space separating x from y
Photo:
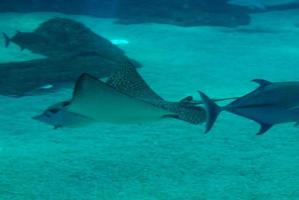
x=169 y=160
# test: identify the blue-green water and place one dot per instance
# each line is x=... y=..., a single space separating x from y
x=167 y=160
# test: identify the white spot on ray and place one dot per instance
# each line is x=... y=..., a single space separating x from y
x=120 y=41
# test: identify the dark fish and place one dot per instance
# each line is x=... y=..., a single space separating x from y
x=27 y=40
x=270 y=104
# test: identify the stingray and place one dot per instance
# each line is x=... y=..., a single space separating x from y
x=123 y=98
x=271 y=103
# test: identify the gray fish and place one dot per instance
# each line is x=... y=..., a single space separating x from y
x=123 y=98
x=270 y=104
x=27 y=40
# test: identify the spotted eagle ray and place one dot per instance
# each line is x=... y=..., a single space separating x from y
x=269 y=104
x=124 y=98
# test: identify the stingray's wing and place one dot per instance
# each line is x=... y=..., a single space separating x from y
x=99 y=101
x=127 y=81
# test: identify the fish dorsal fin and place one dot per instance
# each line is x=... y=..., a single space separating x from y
x=186 y=99
x=127 y=80
x=262 y=82
x=264 y=128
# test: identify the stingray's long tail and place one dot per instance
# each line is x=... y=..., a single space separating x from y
x=191 y=111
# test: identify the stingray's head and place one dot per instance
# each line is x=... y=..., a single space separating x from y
x=55 y=115
x=58 y=116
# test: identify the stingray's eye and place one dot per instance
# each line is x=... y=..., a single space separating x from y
x=57 y=126
x=53 y=110
x=66 y=103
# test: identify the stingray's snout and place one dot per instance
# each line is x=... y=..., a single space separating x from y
x=41 y=118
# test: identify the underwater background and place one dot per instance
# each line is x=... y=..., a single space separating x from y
x=181 y=52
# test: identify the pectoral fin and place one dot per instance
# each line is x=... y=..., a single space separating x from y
x=264 y=128
x=262 y=82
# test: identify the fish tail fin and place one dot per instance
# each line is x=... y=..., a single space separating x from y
x=212 y=109
x=6 y=40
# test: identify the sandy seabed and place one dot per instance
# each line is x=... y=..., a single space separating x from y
x=168 y=160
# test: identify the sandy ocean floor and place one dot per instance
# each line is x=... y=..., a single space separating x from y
x=168 y=160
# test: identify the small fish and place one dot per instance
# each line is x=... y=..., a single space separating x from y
x=26 y=40
x=269 y=104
